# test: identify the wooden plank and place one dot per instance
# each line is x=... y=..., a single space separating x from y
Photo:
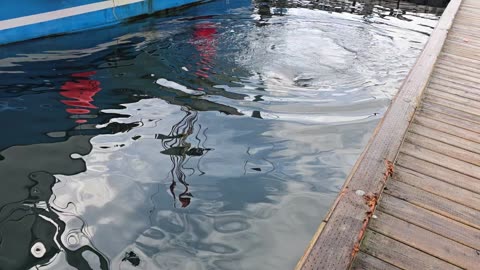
x=426 y=241
x=431 y=221
x=364 y=261
x=434 y=203
x=453 y=78
x=443 y=148
x=450 y=116
x=429 y=184
x=457 y=90
x=464 y=39
x=442 y=160
x=448 y=84
x=465 y=33
x=447 y=128
x=445 y=138
x=462 y=52
x=439 y=172
x=335 y=245
x=454 y=98
x=401 y=255
x=467 y=60
x=450 y=65
x=461 y=44
x=465 y=77
x=463 y=74
x=453 y=105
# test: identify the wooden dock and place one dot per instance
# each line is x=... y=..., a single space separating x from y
x=412 y=200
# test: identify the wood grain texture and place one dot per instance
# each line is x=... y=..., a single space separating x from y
x=443 y=189
x=431 y=221
x=443 y=148
x=446 y=138
x=450 y=116
x=401 y=255
x=426 y=241
x=367 y=262
x=434 y=203
x=438 y=172
x=441 y=159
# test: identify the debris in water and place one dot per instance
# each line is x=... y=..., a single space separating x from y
x=132 y=258
x=38 y=250
x=185 y=68
x=176 y=86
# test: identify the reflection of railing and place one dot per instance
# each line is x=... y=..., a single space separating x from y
x=354 y=6
x=180 y=151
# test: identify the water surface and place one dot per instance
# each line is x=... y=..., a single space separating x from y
x=214 y=138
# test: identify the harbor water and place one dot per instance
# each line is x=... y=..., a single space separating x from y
x=214 y=137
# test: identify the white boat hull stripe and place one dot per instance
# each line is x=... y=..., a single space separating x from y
x=63 y=13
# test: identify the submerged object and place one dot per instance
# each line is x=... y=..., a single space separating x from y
x=39 y=18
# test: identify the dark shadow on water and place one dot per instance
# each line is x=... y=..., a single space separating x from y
x=26 y=216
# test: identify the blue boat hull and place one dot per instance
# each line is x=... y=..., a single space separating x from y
x=39 y=18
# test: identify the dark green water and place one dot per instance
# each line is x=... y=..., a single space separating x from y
x=214 y=138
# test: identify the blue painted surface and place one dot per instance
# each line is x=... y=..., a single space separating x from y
x=11 y=9
x=81 y=22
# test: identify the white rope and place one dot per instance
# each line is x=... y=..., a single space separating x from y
x=114 y=13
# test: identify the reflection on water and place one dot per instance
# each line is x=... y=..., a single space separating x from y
x=204 y=140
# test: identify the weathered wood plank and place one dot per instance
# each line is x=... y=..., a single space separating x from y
x=445 y=138
x=434 y=203
x=364 y=261
x=454 y=98
x=464 y=39
x=459 y=72
x=452 y=78
x=452 y=105
x=443 y=148
x=431 y=221
x=467 y=60
x=450 y=116
x=426 y=241
x=439 y=172
x=448 y=84
x=455 y=67
x=462 y=52
x=472 y=94
x=401 y=255
x=446 y=128
x=458 y=75
x=442 y=160
x=462 y=68
x=454 y=193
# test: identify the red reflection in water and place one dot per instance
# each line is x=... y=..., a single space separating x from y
x=204 y=41
x=80 y=92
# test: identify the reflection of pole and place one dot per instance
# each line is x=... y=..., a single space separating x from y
x=180 y=151
x=368 y=8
